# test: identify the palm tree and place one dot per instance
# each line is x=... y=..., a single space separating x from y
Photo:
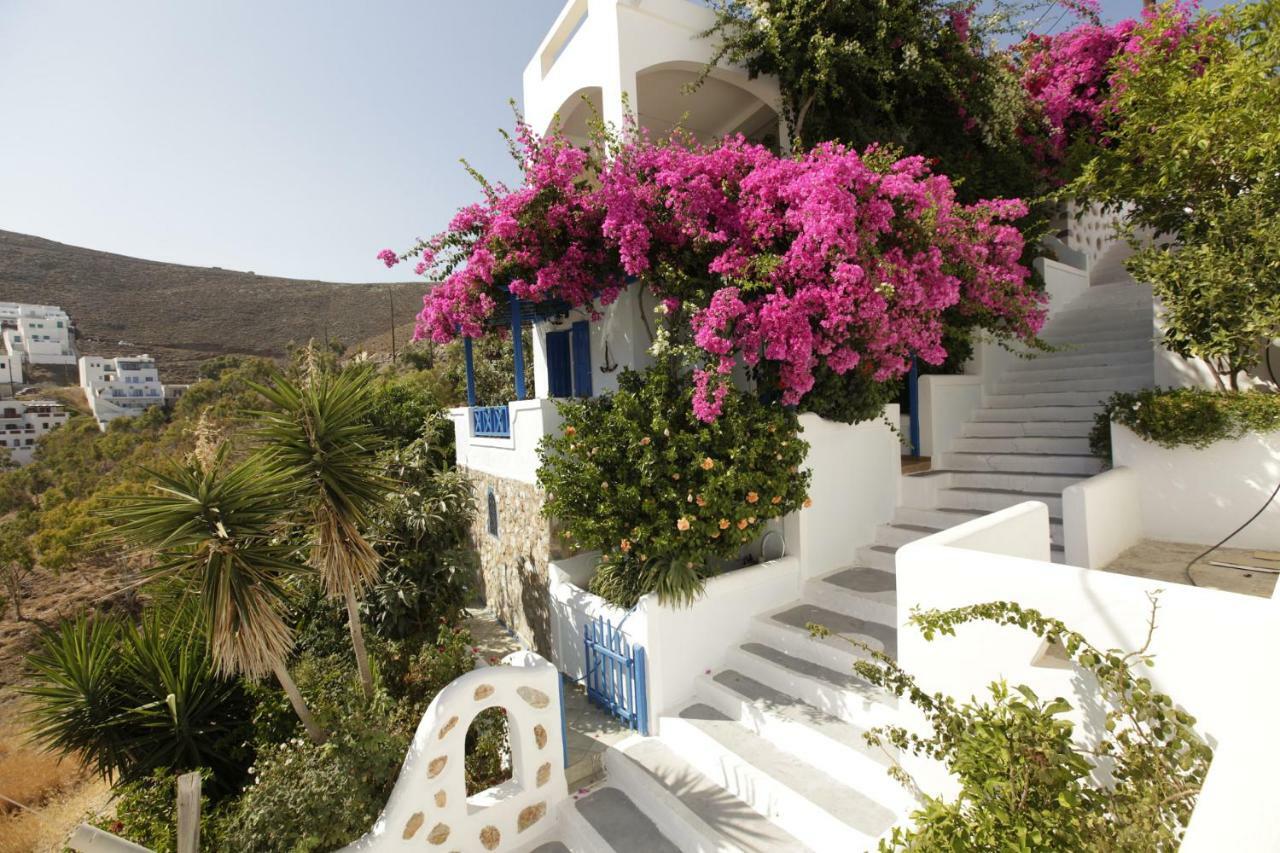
x=319 y=441
x=218 y=529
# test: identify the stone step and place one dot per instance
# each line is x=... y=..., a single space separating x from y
x=1014 y=481
x=1082 y=464
x=1055 y=414
x=1126 y=334
x=1104 y=347
x=860 y=591
x=896 y=535
x=1105 y=385
x=1137 y=357
x=1043 y=398
x=618 y=823
x=942 y=518
x=1030 y=429
x=694 y=812
x=876 y=557
x=993 y=500
x=1085 y=320
x=801 y=799
x=786 y=628
x=1073 y=445
x=826 y=742
x=840 y=693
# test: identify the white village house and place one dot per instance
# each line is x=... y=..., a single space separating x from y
x=125 y=386
x=749 y=731
x=36 y=334
x=24 y=422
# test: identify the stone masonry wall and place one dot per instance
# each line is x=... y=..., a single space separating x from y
x=513 y=564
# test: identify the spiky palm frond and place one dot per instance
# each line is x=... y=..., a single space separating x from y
x=218 y=529
x=318 y=440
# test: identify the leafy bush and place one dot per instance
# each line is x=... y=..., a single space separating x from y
x=134 y=700
x=1025 y=784
x=636 y=475
x=146 y=813
x=1185 y=417
x=430 y=670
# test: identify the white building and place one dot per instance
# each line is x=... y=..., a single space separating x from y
x=38 y=334
x=10 y=373
x=121 y=387
x=24 y=422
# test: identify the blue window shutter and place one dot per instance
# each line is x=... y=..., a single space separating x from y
x=559 y=375
x=582 y=359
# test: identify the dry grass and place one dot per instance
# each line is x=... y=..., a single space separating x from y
x=57 y=794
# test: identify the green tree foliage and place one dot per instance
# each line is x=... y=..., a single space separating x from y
x=1194 y=156
x=16 y=558
x=1028 y=781
x=659 y=493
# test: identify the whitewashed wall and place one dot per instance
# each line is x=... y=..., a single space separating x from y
x=514 y=457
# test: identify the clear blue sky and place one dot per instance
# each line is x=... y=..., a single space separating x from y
x=288 y=137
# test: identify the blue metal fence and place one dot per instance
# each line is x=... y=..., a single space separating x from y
x=491 y=421
x=616 y=678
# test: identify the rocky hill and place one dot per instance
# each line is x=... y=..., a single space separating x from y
x=183 y=315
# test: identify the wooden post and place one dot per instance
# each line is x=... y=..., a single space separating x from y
x=517 y=343
x=189 y=813
x=471 y=372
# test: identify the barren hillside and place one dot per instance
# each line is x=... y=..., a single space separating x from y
x=183 y=315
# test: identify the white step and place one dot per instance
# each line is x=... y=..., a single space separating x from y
x=860 y=591
x=1138 y=357
x=839 y=693
x=1036 y=429
x=1091 y=320
x=1105 y=385
x=896 y=535
x=695 y=813
x=1074 y=445
x=1044 y=398
x=1123 y=346
x=1128 y=335
x=993 y=500
x=1081 y=464
x=943 y=518
x=801 y=799
x=828 y=743
x=876 y=557
x=786 y=628
x=1014 y=481
x=1055 y=414
x=608 y=820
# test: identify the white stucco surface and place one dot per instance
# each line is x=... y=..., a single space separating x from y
x=1102 y=518
x=514 y=457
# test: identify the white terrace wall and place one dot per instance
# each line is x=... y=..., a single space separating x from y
x=1181 y=494
x=429 y=807
x=1205 y=643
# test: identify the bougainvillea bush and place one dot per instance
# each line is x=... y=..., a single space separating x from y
x=832 y=261
x=635 y=475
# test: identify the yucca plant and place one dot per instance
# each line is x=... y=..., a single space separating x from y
x=217 y=527
x=317 y=439
x=134 y=699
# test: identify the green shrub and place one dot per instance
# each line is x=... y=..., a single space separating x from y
x=132 y=700
x=146 y=813
x=430 y=670
x=635 y=475
x=1185 y=417
x=1026 y=784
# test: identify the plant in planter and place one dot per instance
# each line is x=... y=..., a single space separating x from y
x=1185 y=417
x=660 y=493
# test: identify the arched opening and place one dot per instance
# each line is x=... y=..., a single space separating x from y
x=717 y=107
x=488 y=751
x=578 y=112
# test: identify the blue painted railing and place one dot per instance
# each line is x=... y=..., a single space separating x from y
x=491 y=421
x=616 y=678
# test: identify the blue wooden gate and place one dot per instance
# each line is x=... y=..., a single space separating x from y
x=615 y=676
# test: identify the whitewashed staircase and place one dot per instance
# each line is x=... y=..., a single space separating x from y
x=769 y=754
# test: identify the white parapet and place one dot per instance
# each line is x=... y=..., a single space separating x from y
x=429 y=806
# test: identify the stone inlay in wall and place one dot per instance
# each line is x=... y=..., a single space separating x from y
x=544 y=774
x=414 y=824
x=535 y=698
x=490 y=837
x=441 y=799
x=448 y=727
x=484 y=691
x=530 y=815
x=439 y=834
x=540 y=736
x=436 y=767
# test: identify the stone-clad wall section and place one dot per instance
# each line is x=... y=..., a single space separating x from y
x=513 y=565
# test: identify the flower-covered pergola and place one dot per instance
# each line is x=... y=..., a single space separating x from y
x=831 y=261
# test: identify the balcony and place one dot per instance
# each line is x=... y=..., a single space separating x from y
x=503 y=440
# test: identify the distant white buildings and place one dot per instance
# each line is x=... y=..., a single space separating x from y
x=24 y=422
x=36 y=334
x=122 y=387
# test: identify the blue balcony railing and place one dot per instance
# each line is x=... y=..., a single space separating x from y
x=491 y=421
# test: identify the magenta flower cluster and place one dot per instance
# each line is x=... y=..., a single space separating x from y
x=831 y=258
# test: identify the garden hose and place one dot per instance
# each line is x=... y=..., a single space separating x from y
x=1187 y=570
